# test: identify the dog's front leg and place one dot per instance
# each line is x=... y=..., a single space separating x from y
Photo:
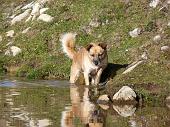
x=86 y=77
x=98 y=76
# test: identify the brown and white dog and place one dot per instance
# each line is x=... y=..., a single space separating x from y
x=91 y=60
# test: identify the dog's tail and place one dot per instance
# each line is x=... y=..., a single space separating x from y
x=68 y=44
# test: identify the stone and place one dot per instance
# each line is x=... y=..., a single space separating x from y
x=13 y=50
x=20 y=17
x=169 y=23
x=28 y=6
x=43 y=10
x=10 y=33
x=165 y=48
x=103 y=100
x=125 y=110
x=94 y=23
x=157 y=38
x=26 y=30
x=45 y=18
x=35 y=11
x=132 y=66
x=144 y=56
x=135 y=32
x=0 y=38
x=125 y=93
x=154 y=3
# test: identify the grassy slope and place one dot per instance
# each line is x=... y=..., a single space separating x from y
x=42 y=56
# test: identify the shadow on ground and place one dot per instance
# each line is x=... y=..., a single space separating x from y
x=111 y=71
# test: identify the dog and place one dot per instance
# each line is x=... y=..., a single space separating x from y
x=90 y=60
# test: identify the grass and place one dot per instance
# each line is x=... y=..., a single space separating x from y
x=42 y=56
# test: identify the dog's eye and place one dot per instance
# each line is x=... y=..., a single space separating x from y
x=92 y=55
x=101 y=54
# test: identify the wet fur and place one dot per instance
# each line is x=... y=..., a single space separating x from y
x=90 y=60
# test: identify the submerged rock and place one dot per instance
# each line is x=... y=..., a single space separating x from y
x=10 y=33
x=45 y=18
x=154 y=3
x=20 y=17
x=126 y=94
x=13 y=50
x=125 y=110
x=135 y=32
x=165 y=48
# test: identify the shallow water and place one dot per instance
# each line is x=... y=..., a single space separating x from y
x=57 y=104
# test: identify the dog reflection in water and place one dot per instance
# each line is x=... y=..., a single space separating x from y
x=82 y=109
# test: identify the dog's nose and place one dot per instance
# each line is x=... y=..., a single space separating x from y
x=96 y=62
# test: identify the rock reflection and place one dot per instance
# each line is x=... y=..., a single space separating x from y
x=83 y=109
x=125 y=110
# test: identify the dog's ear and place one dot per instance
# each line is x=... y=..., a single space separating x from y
x=103 y=45
x=89 y=46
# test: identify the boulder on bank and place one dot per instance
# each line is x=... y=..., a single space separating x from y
x=125 y=94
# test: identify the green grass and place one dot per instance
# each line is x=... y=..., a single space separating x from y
x=42 y=56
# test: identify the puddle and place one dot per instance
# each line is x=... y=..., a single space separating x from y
x=57 y=104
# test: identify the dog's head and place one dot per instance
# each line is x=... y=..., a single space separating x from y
x=97 y=52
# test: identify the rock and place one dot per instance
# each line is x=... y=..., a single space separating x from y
x=135 y=32
x=20 y=17
x=157 y=38
x=45 y=18
x=144 y=56
x=103 y=101
x=125 y=93
x=28 y=6
x=13 y=50
x=43 y=10
x=165 y=48
x=168 y=99
x=94 y=23
x=125 y=110
x=169 y=23
x=26 y=30
x=10 y=33
x=132 y=66
x=35 y=11
x=103 y=98
x=0 y=38
x=154 y=3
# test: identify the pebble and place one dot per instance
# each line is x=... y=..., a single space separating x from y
x=135 y=32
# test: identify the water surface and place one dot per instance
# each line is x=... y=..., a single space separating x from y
x=57 y=104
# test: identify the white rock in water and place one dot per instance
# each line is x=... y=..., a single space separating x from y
x=45 y=18
x=0 y=38
x=125 y=93
x=43 y=10
x=135 y=32
x=28 y=6
x=157 y=38
x=10 y=33
x=154 y=3
x=165 y=48
x=13 y=50
x=20 y=17
x=125 y=110
x=26 y=30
